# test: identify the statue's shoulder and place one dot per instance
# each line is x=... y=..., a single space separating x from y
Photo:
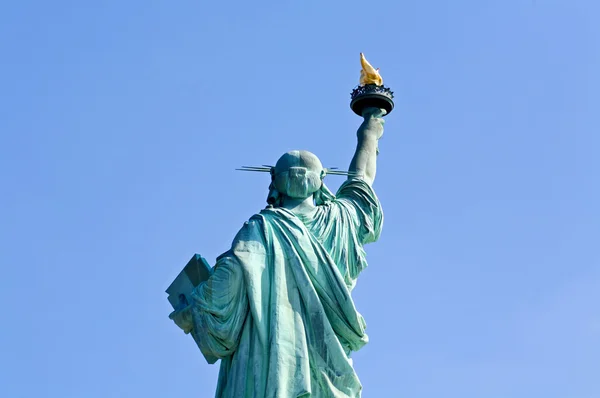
x=271 y=212
x=250 y=236
x=254 y=224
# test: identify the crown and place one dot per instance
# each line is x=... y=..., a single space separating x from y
x=271 y=169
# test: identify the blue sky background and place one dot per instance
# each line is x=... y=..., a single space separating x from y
x=121 y=124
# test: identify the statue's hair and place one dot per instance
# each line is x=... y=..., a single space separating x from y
x=298 y=182
x=299 y=174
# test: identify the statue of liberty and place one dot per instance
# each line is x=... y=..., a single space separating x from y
x=277 y=309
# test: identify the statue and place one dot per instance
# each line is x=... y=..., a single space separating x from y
x=277 y=308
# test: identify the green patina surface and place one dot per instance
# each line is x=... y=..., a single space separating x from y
x=277 y=310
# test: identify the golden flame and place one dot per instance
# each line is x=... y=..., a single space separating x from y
x=368 y=74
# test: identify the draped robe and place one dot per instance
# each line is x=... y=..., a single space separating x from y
x=278 y=310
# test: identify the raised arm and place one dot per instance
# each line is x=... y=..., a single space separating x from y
x=364 y=162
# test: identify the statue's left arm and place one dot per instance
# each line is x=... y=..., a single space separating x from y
x=364 y=162
x=217 y=312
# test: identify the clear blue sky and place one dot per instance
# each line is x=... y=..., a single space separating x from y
x=121 y=123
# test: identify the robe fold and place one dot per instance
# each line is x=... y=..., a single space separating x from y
x=278 y=310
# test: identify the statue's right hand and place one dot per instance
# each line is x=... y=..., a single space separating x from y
x=373 y=112
x=372 y=126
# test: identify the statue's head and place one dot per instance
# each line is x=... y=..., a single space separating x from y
x=298 y=174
